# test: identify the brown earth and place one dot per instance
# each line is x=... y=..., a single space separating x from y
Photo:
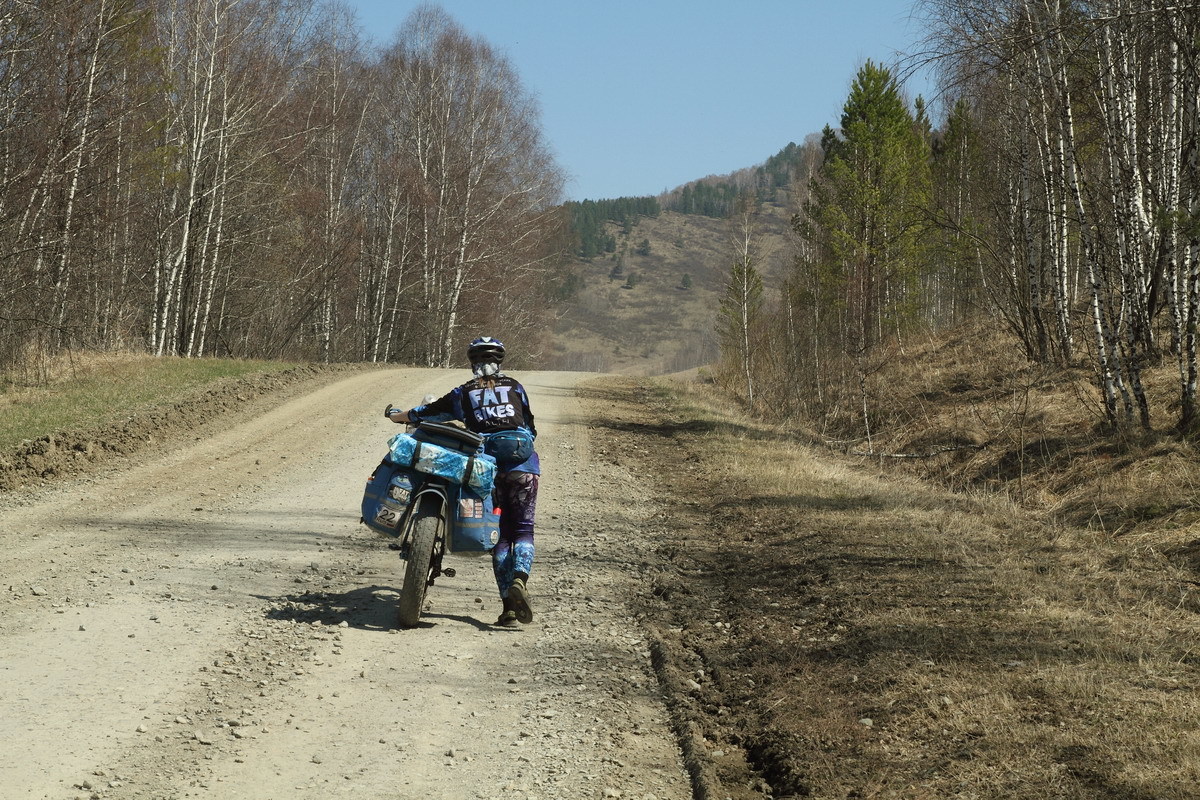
x=90 y=446
x=210 y=621
x=824 y=629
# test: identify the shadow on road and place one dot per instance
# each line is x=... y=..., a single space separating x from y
x=371 y=608
x=367 y=608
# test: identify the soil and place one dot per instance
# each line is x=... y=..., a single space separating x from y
x=825 y=628
x=193 y=610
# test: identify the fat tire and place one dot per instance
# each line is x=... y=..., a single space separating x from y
x=426 y=519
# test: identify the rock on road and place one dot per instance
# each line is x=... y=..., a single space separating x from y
x=214 y=622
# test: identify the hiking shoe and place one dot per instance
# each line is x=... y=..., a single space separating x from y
x=507 y=620
x=518 y=598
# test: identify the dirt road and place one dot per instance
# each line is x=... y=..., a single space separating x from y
x=215 y=623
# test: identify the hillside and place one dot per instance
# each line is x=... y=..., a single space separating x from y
x=656 y=325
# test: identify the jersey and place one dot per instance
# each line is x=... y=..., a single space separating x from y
x=485 y=406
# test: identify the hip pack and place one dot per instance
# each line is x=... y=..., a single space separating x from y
x=509 y=448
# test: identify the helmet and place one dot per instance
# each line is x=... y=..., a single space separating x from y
x=485 y=349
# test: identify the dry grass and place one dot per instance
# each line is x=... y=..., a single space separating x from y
x=860 y=634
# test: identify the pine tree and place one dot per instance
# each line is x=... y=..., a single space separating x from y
x=864 y=222
x=958 y=287
x=873 y=189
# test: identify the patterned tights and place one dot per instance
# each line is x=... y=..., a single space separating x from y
x=516 y=496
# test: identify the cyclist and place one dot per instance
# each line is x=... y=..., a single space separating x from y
x=497 y=406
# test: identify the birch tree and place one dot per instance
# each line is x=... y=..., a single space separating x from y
x=740 y=315
x=68 y=96
x=1098 y=128
x=228 y=65
x=241 y=177
x=336 y=105
x=484 y=181
x=387 y=255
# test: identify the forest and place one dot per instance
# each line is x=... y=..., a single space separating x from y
x=246 y=178
x=589 y=221
x=1059 y=201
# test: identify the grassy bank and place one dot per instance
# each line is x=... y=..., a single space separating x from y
x=95 y=390
x=835 y=632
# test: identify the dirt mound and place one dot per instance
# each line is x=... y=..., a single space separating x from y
x=88 y=448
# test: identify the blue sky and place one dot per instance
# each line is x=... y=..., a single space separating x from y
x=641 y=96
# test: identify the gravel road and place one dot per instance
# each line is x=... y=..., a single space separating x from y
x=214 y=622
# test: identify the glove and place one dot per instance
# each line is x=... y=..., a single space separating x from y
x=387 y=412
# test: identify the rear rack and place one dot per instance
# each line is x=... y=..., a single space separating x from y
x=449 y=436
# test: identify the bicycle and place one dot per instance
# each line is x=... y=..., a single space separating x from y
x=433 y=492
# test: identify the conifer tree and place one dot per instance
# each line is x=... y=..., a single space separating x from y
x=863 y=222
x=958 y=286
x=868 y=206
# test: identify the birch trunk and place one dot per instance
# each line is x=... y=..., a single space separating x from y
x=63 y=278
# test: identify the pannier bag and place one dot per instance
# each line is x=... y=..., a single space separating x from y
x=476 y=524
x=509 y=448
x=385 y=501
x=476 y=471
x=386 y=497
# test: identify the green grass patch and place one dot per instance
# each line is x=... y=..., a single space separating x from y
x=96 y=390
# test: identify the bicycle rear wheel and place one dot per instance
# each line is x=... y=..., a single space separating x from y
x=427 y=519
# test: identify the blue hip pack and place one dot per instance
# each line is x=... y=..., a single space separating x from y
x=509 y=447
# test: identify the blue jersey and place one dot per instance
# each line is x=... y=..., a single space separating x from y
x=485 y=406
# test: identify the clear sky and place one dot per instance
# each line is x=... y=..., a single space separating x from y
x=641 y=96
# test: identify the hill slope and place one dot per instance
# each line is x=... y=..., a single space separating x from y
x=653 y=324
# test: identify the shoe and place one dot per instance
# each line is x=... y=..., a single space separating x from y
x=518 y=598
x=507 y=620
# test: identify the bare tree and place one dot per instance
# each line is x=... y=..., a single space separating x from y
x=242 y=177
x=484 y=183
x=1092 y=113
x=741 y=310
x=230 y=66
